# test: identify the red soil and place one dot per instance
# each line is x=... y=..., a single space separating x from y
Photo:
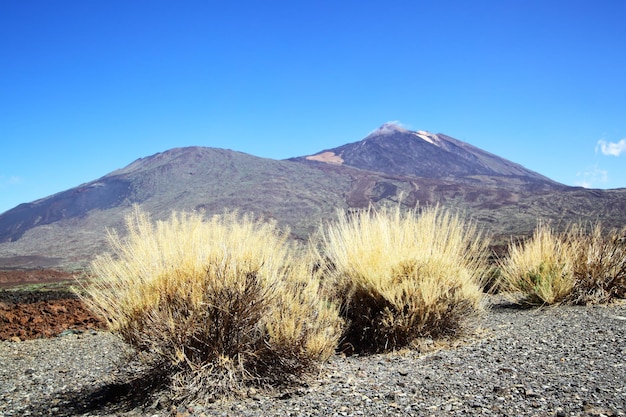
x=38 y=314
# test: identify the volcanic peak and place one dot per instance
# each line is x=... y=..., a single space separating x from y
x=388 y=128
x=394 y=128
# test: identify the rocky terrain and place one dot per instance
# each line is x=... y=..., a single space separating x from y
x=56 y=359
x=558 y=361
x=28 y=315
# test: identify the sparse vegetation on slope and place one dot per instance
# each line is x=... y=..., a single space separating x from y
x=217 y=304
x=400 y=276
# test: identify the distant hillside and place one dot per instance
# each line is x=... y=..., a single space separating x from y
x=72 y=224
x=69 y=228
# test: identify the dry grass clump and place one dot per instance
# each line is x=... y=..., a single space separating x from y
x=400 y=276
x=599 y=265
x=575 y=267
x=216 y=304
x=540 y=268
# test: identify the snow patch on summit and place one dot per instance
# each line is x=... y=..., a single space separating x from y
x=395 y=127
x=428 y=137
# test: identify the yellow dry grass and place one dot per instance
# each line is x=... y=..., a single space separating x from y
x=540 y=269
x=599 y=265
x=400 y=275
x=219 y=302
x=580 y=266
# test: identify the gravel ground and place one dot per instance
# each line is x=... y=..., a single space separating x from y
x=559 y=361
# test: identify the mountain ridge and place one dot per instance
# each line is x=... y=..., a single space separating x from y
x=69 y=228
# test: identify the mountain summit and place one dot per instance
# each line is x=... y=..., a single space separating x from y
x=388 y=128
x=392 y=149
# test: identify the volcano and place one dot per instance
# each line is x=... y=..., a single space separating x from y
x=393 y=149
x=390 y=166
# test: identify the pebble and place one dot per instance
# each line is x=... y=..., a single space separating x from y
x=562 y=361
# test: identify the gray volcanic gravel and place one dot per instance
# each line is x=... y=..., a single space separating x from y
x=557 y=361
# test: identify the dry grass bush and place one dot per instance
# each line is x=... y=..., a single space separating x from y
x=400 y=277
x=540 y=268
x=599 y=265
x=217 y=304
x=576 y=267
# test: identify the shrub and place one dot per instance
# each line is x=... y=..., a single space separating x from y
x=399 y=277
x=216 y=304
x=575 y=267
x=599 y=265
x=540 y=268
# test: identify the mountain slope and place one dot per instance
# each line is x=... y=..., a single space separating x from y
x=72 y=224
x=69 y=228
x=394 y=150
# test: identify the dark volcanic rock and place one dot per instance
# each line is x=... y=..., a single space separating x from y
x=562 y=361
x=36 y=314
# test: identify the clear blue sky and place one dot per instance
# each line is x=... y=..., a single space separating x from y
x=87 y=87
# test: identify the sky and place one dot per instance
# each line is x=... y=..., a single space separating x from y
x=87 y=87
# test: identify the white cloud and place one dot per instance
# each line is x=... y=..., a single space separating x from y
x=8 y=181
x=611 y=148
x=391 y=127
x=395 y=123
x=592 y=177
